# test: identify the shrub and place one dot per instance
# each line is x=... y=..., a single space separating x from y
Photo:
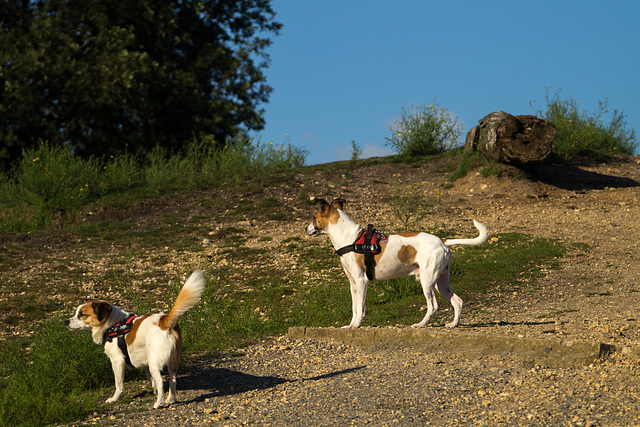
x=424 y=130
x=412 y=202
x=52 y=179
x=243 y=159
x=580 y=133
x=356 y=151
x=120 y=173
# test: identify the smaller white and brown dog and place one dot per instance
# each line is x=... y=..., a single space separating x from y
x=152 y=342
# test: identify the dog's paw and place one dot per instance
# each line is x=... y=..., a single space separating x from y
x=158 y=405
x=418 y=325
x=111 y=400
x=451 y=325
x=350 y=326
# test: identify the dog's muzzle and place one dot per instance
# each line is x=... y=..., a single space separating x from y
x=312 y=230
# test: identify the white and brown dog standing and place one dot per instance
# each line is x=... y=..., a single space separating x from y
x=423 y=255
x=152 y=342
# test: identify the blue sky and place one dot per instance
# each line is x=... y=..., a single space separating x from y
x=342 y=70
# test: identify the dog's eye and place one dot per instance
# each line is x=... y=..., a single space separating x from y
x=82 y=315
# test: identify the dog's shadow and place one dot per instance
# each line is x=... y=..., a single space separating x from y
x=215 y=382
x=503 y=323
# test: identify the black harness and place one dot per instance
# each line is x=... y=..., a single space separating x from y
x=368 y=244
x=119 y=330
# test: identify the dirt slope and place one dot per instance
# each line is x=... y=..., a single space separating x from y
x=595 y=295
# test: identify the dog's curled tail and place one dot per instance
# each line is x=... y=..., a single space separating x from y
x=482 y=237
x=188 y=297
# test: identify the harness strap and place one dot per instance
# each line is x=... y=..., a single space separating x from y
x=368 y=256
x=119 y=330
x=365 y=248
x=123 y=348
x=345 y=250
x=349 y=248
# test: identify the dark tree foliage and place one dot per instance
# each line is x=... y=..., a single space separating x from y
x=109 y=77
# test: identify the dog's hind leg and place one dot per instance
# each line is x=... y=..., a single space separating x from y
x=172 y=367
x=151 y=380
x=428 y=282
x=156 y=374
x=445 y=290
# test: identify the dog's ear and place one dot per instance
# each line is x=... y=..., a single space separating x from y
x=322 y=205
x=338 y=203
x=102 y=309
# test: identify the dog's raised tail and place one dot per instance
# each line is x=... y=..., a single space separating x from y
x=482 y=237
x=188 y=297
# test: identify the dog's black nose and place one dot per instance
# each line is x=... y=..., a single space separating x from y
x=66 y=322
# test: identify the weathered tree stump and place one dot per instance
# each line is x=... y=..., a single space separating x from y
x=511 y=139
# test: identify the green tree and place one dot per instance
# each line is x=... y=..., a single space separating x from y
x=107 y=77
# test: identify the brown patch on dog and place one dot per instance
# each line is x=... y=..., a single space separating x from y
x=334 y=216
x=407 y=254
x=165 y=322
x=409 y=234
x=131 y=336
x=327 y=214
x=339 y=203
x=93 y=313
x=174 y=359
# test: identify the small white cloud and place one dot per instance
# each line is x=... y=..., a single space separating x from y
x=310 y=137
x=375 y=151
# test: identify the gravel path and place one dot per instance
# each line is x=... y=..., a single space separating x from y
x=306 y=382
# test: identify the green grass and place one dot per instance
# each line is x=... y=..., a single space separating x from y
x=515 y=258
x=51 y=378
x=467 y=162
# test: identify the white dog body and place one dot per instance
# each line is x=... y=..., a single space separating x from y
x=422 y=255
x=153 y=342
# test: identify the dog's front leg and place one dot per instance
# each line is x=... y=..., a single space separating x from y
x=358 y=284
x=117 y=364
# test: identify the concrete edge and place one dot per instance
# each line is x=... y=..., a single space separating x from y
x=550 y=352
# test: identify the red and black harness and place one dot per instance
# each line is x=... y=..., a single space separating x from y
x=119 y=330
x=368 y=244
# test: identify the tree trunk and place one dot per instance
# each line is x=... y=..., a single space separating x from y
x=511 y=139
